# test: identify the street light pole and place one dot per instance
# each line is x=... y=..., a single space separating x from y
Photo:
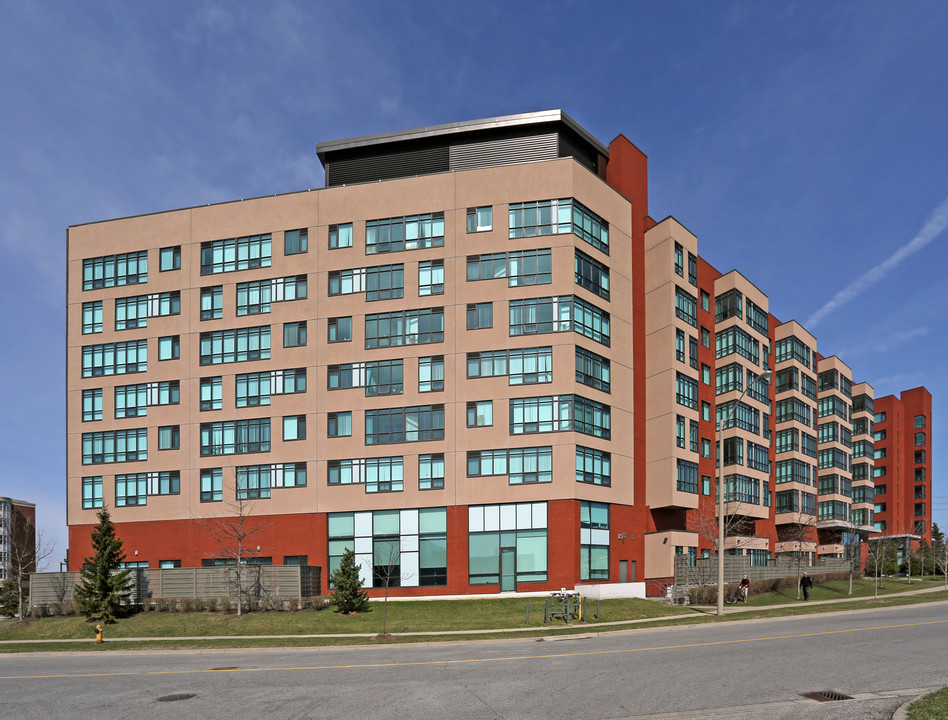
x=720 y=482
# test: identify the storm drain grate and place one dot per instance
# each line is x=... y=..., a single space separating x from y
x=220 y=669
x=826 y=696
x=175 y=698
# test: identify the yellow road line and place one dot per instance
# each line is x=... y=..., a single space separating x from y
x=586 y=653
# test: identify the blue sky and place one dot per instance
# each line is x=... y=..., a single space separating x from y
x=804 y=143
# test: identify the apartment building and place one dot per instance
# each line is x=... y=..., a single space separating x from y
x=902 y=469
x=17 y=538
x=472 y=357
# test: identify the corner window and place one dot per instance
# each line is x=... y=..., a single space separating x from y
x=480 y=219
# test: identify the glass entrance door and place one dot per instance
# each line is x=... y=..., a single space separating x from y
x=508 y=571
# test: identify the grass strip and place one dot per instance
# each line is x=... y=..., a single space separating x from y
x=930 y=707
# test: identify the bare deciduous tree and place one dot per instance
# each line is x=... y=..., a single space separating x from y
x=29 y=551
x=232 y=533
x=797 y=532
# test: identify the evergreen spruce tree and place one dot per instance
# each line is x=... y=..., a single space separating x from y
x=102 y=585
x=348 y=595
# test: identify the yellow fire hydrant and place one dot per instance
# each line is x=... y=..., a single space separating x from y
x=98 y=633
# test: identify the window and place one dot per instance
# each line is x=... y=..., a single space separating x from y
x=244 y=253
x=91 y=492
x=384 y=282
x=408 y=424
x=114 y=446
x=705 y=411
x=735 y=340
x=705 y=337
x=340 y=329
x=382 y=474
x=591 y=274
x=521 y=267
x=212 y=302
x=593 y=466
x=169 y=347
x=693 y=436
x=692 y=269
x=134 y=400
x=559 y=314
x=212 y=485
x=92 y=317
x=525 y=366
x=679 y=345
x=131 y=489
x=592 y=369
x=241 y=345
x=212 y=393
x=680 y=431
x=919 y=439
x=559 y=412
x=757 y=318
x=741 y=489
x=339 y=424
x=480 y=413
x=383 y=377
x=169 y=437
x=555 y=217
x=92 y=404
x=594 y=541
x=133 y=312
x=294 y=334
x=430 y=278
x=687 y=476
x=833 y=405
x=253 y=389
x=431 y=472
x=679 y=260
x=686 y=307
x=480 y=316
x=234 y=437
x=169 y=258
x=411 y=232
x=522 y=466
x=431 y=373
x=705 y=300
x=115 y=270
x=705 y=374
x=340 y=236
x=115 y=358
x=686 y=392
x=919 y=421
x=743 y=416
x=919 y=456
x=254 y=298
x=294 y=427
x=521 y=528
x=480 y=219
x=253 y=482
x=295 y=241
x=406 y=327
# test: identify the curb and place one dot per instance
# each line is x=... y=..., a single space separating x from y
x=901 y=712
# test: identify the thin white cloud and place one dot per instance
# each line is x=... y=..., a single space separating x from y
x=934 y=226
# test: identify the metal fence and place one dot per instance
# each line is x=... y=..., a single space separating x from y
x=273 y=581
x=705 y=571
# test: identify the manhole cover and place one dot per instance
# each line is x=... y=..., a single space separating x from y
x=176 y=697
x=826 y=696
x=224 y=668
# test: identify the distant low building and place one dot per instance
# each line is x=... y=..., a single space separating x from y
x=17 y=538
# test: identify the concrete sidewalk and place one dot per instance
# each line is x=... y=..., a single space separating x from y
x=591 y=627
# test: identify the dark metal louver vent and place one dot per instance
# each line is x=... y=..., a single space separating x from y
x=506 y=151
x=387 y=166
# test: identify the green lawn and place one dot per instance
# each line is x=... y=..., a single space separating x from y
x=839 y=589
x=429 y=616
x=931 y=707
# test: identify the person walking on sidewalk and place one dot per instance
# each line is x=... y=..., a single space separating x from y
x=806 y=582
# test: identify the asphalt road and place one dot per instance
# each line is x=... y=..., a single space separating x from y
x=760 y=666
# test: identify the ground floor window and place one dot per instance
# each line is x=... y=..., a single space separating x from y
x=507 y=544
x=594 y=541
x=394 y=548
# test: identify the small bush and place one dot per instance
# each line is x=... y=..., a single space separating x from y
x=210 y=604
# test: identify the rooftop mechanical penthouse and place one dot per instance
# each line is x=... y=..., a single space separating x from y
x=472 y=357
